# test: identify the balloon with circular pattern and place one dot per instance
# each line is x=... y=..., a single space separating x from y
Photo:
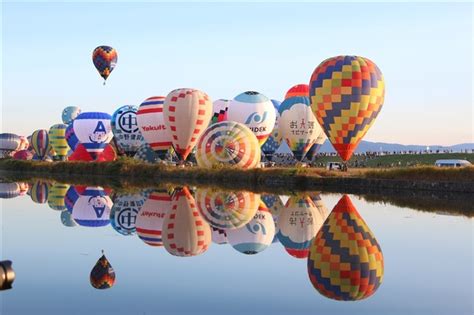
x=347 y=94
x=151 y=121
x=345 y=261
x=125 y=128
x=227 y=210
x=254 y=110
x=69 y=114
x=105 y=60
x=185 y=232
x=187 y=114
x=230 y=143
x=124 y=213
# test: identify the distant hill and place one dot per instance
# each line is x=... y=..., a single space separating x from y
x=366 y=146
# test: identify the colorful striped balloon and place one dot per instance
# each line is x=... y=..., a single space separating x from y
x=345 y=261
x=187 y=114
x=298 y=90
x=151 y=216
x=347 y=93
x=104 y=59
x=228 y=142
x=39 y=192
x=57 y=193
x=102 y=275
x=57 y=139
x=227 y=210
x=40 y=143
x=151 y=122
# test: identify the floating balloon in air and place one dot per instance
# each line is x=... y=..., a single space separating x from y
x=151 y=217
x=254 y=110
x=345 y=261
x=94 y=131
x=105 y=60
x=185 y=232
x=151 y=121
x=102 y=275
x=347 y=93
x=125 y=129
x=227 y=210
x=228 y=142
x=187 y=114
x=70 y=113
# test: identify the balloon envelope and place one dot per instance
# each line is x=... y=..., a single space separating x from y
x=102 y=275
x=345 y=262
x=347 y=93
x=219 y=110
x=230 y=143
x=123 y=215
x=298 y=126
x=187 y=114
x=274 y=140
x=9 y=190
x=23 y=155
x=151 y=121
x=9 y=142
x=105 y=60
x=94 y=131
x=57 y=193
x=227 y=210
x=39 y=192
x=40 y=143
x=125 y=129
x=70 y=113
x=57 y=139
x=71 y=138
x=92 y=208
x=254 y=110
x=298 y=90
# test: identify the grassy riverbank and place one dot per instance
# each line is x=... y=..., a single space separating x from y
x=267 y=179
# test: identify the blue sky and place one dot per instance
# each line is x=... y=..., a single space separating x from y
x=424 y=51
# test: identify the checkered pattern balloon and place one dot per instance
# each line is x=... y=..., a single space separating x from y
x=103 y=274
x=104 y=59
x=347 y=93
x=345 y=261
x=228 y=142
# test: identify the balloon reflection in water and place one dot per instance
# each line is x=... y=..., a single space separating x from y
x=345 y=262
x=57 y=192
x=185 y=232
x=9 y=190
x=218 y=236
x=151 y=217
x=298 y=224
x=102 y=275
x=67 y=220
x=124 y=213
x=39 y=192
x=92 y=208
x=227 y=210
x=256 y=235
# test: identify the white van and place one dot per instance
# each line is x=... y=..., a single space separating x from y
x=334 y=166
x=452 y=163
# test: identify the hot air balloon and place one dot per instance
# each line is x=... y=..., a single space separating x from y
x=151 y=121
x=254 y=110
x=151 y=217
x=9 y=190
x=24 y=188
x=298 y=224
x=103 y=274
x=104 y=59
x=301 y=90
x=9 y=143
x=276 y=206
x=298 y=126
x=70 y=113
x=66 y=219
x=39 y=191
x=345 y=261
x=57 y=140
x=311 y=154
x=146 y=154
x=187 y=114
x=255 y=236
x=123 y=215
x=70 y=137
x=92 y=208
x=57 y=193
x=347 y=93
x=218 y=236
x=94 y=131
x=107 y=155
x=24 y=143
x=125 y=129
x=40 y=143
x=23 y=155
x=230 y=143
x=185 y=232
x=71 y=197
x=219 y=110
x=274 y=140
x=227 y=210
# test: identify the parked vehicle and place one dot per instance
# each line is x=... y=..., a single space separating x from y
x=452 y=163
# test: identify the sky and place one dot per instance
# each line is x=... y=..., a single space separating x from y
x=424 y=50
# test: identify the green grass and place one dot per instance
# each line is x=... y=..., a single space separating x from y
x=400 y=159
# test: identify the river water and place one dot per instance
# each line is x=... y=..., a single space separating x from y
x=179 y=250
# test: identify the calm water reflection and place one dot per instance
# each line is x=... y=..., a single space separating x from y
x=196 y=250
